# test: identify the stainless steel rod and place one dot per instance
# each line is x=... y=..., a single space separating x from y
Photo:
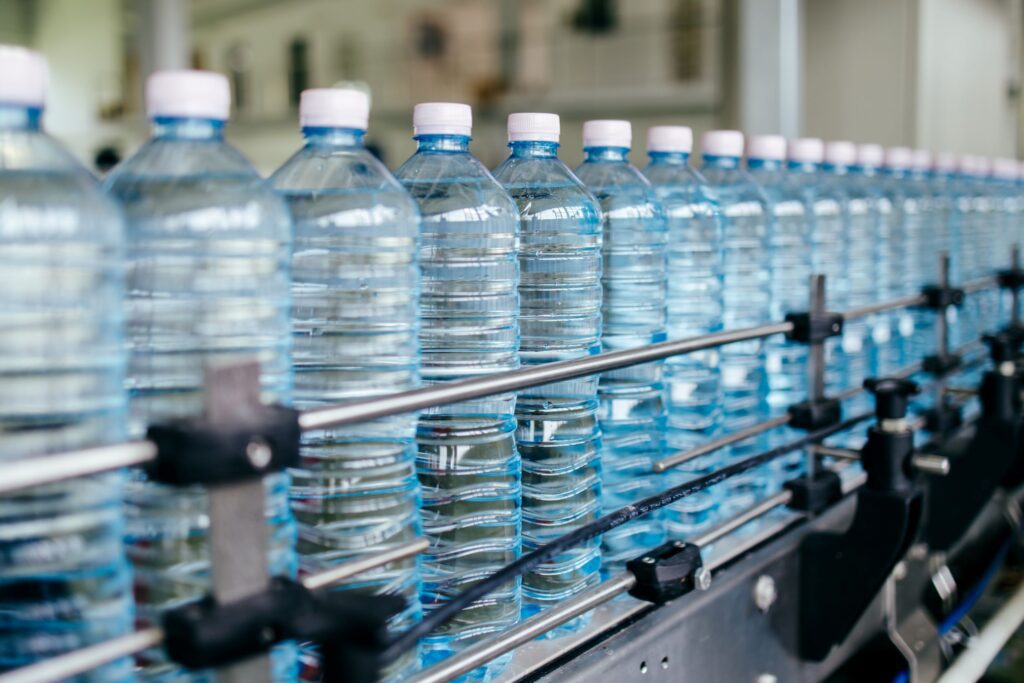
x=982 y=283
x=486 y=650
x=711 y=446
x=750 y=514
x=85 y=659
x=842 y=453
x=355 y=567
x=891 y=305
x=46 y=469
x=515 y=380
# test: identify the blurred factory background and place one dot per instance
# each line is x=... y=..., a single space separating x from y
x=938 y=74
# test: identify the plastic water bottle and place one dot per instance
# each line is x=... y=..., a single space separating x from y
x=1007 y=199
x=855 y=265
x=559 y=438
x=208 y=250
x=632 y=407
x=788 y=259
x=746 y=223
x=966 y=262
x=64 y=581
x=942 y=184
x=902 y=277
x=828 y=220
x=468 y=465
x=927 y=240
x=355 y=295
x=692 y=382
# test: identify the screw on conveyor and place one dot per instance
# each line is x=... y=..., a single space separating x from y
x=238 y=531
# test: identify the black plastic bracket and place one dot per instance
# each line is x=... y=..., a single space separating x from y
x=665 y=573
x=814 y=495
x=814 y=328
x=350 y=628
x=197 y=451
x=812 y=416
x=938 y=298
x=940 y=365
x=1011 y=279
x=943 y=420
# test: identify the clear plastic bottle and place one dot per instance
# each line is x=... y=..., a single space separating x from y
x=903 y=274
x=949 y=219
x=746 y=288
x=208 y=249
x=789 y=260
x=927 y=239
x=852 y=169
x=632 y=406
x=1007 y=203
x=355 y=296
x=692 y=381
x=559 y=439
x=469 y=468
x=854 y=283
x=64 y=581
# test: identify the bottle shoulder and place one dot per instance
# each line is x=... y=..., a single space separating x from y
x=545 y=187
x=203 y=188
x=620 y=187
x=443 y=184
x=317 y=172
x=46 y=193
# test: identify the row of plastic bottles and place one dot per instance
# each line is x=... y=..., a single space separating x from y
x=347 y=281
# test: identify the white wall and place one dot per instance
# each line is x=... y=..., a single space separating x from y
x=83 y=42
x=859 y=70
x=968 y=60
x=925 y=73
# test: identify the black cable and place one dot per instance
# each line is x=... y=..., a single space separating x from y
x=438 y=617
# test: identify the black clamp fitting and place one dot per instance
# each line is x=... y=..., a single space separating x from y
x=350 y=628
x=943 y=420
x=814 y=328
x=940 y=365
x=814 y=415
x=814 y=495
x=197 y=451
x=939 y=298
x=667 y=572
x=1011 y=279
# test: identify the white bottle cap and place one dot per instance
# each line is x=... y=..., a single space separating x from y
x=442 y=118
x=944 y=162
x=1005 y=169
x=607 y=133
x=899 y=158
x=533 y=126
x=24 y=76
x=807 y=150
x=968 y=164
x=870 y=156
x=334 y=108
x=771 y=147
x=722 y=143
x=921 y=160
x=670 y=139
x=188 y=94
x=840 y=153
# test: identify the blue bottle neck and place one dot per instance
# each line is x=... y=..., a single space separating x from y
x=837 y=169
x=606 y=154
x=185 y=128
x=803 y=166
x=896 y=172
x=756 y=164
x=442 y=143
x=721 y=162
x=20 y=117
x=669 y=158
x=334 y=137
x=534 y=149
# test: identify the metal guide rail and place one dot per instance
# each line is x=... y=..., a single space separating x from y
x=260 y=449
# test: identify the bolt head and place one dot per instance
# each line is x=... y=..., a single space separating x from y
x=648 y=560
x=765 y=592
x=259 y=453
x=702 y=579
